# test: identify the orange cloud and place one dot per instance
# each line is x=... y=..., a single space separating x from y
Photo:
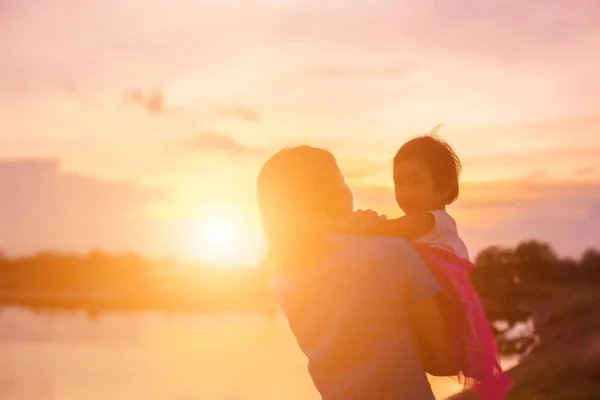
x=539 y=156
x=45 y=208
x=243 y=113
x=585 y=171
x=218 y=142
x=153 y=101
x=535 y=176
x=356 y=72
x=363 y=168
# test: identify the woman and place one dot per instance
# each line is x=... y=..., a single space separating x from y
x=362 y=308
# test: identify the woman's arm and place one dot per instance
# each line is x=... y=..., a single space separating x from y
x=403 y=274
x=432 y=334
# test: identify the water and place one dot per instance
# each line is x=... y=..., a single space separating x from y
x=54 y=356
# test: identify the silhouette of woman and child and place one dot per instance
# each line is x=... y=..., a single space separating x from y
x=377 y=303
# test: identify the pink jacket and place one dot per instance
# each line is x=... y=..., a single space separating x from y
x=475 y=349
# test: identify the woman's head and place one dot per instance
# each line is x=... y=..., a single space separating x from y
x=295 y=181
x=426 y=173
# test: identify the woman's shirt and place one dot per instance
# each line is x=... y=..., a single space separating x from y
x=350 y=317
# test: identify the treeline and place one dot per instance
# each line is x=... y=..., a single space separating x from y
x=498 y=269
x=100 y=280
x=531 y=263
x=56 y=271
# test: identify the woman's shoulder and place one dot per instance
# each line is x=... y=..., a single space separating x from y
x=366 y=242
x=372 y=250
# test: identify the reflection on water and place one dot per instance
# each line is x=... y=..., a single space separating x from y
x=153 y=356
x=519 y=338
x=520 y=330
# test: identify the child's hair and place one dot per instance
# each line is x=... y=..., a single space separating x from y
x=437 y=155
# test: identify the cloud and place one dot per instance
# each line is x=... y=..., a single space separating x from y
x=355 y=169
x=568 y=145
x=585 y=171
x=217 y=142
x=548 y=127
x=535 y=176
x=358 y=174
x=506 y=30
x=153 y=101
x=464 y=61
x=512 y=31
x=596 y=211
x=362 y=72
x=69 y=87
x=243 y=113
x=535 y=156
x=42 y=207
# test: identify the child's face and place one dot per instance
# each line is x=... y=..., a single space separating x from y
x=415 y=188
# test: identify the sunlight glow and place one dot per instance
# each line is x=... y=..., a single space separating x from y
x=218 y=240
x=219 y=233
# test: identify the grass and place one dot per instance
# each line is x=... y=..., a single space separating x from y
x=566 y=365
x=558 y=376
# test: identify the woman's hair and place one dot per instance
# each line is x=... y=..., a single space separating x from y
x=439 y=158
x=293 y=182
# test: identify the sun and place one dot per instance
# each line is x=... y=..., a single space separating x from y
x=218 y=240
x=218 y=233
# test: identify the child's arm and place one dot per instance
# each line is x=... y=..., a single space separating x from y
x=409 y=226
x=314 y=223
x=369 y=222
x=360 y=222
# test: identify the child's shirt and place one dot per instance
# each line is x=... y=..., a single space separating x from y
x=444 y=235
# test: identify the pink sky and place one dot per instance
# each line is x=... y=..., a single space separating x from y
x=181 y=102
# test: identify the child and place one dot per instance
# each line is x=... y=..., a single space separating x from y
x=426 y=172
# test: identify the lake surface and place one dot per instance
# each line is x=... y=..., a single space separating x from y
x=147 y=356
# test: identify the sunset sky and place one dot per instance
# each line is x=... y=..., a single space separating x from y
x=140 y=124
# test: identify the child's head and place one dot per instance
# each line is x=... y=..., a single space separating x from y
x=426 y=172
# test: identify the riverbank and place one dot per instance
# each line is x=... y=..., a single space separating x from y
x=566 y=363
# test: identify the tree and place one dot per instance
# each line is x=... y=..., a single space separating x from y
x=495 y=270
x=536 y=262
x=590 y=265
x=496 y=256
x=568 y=270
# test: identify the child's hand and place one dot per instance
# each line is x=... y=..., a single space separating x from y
x=366 y=220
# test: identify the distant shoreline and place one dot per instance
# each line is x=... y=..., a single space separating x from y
x=102 y=303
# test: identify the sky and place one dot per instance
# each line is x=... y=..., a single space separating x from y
x=140 y=125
